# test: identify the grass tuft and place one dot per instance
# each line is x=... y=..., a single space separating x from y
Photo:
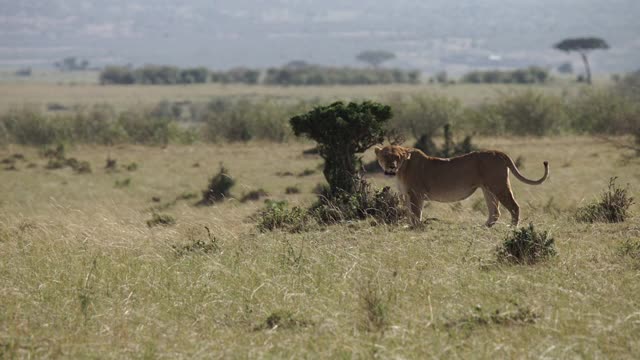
x=161 y=220
x=522 y=315
x=613 y=206
x=278 y=216
x=218 y=189
x=526 y=246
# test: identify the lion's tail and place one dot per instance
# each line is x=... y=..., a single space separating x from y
x=520 y=177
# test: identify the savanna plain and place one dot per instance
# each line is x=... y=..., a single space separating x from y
x=85 y=274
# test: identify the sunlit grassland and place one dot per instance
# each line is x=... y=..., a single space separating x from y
x=125 y=97
x=83 y=276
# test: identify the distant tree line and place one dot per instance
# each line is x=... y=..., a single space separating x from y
x=530 y=75
x=326 y=75
x=295 y=73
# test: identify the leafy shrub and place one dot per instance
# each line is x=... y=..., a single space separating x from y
x=218 y=188
x=382 y=205
x=526 y=246
x=530 y=113
x=600 y=111
x=29 y=127
x=161 y=220
x=341 y=131
x=613 y=206
x=277 y=216
x=425 y=114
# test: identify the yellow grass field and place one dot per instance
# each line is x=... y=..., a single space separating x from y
x=123 y=97
x=82 y=275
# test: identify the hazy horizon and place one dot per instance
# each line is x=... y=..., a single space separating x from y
x=430 y=36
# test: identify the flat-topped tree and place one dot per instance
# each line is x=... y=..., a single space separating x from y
x=342 y=131
x=582 y=46
x=375 y=57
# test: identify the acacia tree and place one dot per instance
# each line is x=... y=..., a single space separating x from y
x=375 y=57
x=582 y=46
x=342 y=131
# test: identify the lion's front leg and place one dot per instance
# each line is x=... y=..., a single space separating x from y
x=415 y=203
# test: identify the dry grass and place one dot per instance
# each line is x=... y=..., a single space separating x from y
x=83 y=276
x=123 y=97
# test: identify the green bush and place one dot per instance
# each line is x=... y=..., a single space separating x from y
x=278 y=216
x=218 y=189
x=613 y=206
x=342 y=131
x=383 y=206
x=528 y=113
x=599 y=111
x=425 y=114
x=30 y=127
x=526 y=246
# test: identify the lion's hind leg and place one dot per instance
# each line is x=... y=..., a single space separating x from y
x=492 y=206
x=506 y=198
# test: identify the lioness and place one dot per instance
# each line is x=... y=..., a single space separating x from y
x=423 y=177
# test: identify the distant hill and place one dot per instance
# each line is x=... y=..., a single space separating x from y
x=430 y=35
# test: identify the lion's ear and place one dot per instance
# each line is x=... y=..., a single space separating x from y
x=377 y=149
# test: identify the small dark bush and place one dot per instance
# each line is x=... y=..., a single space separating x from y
x=613 y=206
x=292 y=190
x=123 y=183
x=161 y=220
x=197 y=245
x=54 y=153
x=254 y=195
x=187 y=196
x=449 y=147
x=82 y=167
x=284 y=173
x=306 y=172
x=277 y=216
x=131 y=167
x=281 y=319
x=526 y=246
x=56 y=107
x=111 y=164
x=382 y=205
x=218 y=188
x=54 y=164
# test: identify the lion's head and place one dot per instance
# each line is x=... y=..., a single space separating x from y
x=391 y=158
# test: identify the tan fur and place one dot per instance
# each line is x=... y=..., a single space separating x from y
x=421 y=177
